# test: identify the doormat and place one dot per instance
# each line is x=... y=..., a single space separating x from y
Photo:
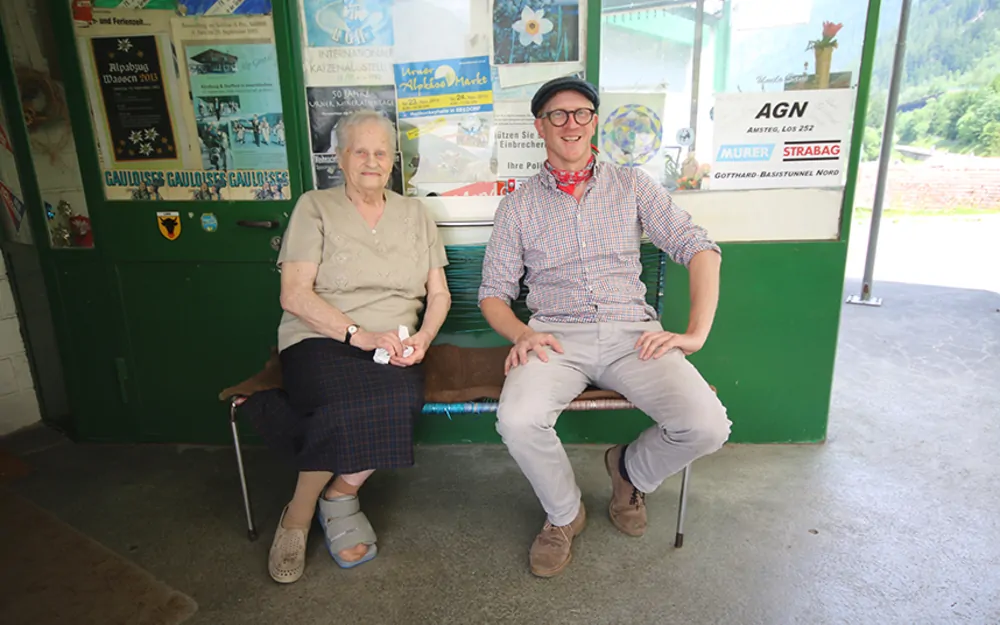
x=51 y=574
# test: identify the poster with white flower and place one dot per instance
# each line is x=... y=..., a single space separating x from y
x=536 y=31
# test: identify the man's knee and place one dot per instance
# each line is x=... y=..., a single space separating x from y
x=518 y=417
x=705 y=427
x=533 y=396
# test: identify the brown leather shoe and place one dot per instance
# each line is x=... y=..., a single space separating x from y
x=628 y=504
x=551 y=553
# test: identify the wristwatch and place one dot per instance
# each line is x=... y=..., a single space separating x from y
x=351 y=331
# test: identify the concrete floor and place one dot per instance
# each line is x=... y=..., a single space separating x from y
x=893 y=520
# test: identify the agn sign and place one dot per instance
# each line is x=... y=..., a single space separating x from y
x=782 y=110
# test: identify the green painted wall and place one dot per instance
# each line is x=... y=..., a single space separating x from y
x=150 y=330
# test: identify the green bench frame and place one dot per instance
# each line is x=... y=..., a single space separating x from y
x=466 y=318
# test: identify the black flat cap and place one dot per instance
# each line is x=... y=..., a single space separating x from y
x=563 y=83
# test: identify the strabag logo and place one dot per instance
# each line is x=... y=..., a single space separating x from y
x=744 y=153
x=810 y=151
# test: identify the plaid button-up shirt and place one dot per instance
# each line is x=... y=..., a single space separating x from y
x=581 y=261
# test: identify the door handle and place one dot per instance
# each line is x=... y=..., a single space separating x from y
x=267 y=224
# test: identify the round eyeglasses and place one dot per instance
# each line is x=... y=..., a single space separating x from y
x=559 y=117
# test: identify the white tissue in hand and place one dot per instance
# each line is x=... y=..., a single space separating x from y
x=382 y=357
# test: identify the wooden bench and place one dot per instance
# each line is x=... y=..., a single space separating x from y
x=449 y=389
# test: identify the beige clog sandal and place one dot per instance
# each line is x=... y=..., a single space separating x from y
x=287 y=560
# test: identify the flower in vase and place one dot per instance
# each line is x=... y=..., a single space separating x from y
x=828 y=40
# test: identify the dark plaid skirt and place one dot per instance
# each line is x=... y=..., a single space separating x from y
x=340 y=411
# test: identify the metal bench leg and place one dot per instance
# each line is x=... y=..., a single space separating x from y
x=251 y=528
x=682 y=508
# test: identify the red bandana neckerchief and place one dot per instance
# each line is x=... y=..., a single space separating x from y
x=568 y=181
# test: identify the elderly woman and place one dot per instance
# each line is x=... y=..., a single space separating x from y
x=357 y=262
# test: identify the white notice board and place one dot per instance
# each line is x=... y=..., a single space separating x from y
x=781 y=140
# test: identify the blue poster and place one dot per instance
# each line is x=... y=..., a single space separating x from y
x=224 y=7
x=237 y=106
x=448 y=87
x=348 y=23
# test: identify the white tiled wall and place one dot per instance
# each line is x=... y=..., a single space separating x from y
x=18 y=404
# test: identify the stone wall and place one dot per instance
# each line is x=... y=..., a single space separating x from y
x=18 y=404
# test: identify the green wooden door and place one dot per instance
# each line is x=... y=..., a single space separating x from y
x=190 y=158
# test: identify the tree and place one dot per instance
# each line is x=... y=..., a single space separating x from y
x=875 y=118
x=989 y=139
x=871 y=144
x=905 y=128
x=985 y=110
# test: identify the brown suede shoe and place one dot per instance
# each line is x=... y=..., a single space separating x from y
x=628 y=505
x=551 y=553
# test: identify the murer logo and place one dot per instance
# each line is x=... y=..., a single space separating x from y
x=744 y=153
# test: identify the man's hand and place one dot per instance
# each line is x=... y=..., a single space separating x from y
x=530 y=341
x=655 y=344
x=368 y=341
x=420 y=342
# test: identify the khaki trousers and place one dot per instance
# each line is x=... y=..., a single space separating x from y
x=690 y=421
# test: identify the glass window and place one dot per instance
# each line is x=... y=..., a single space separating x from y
x=13 y=214
x=761 y=98
x=39 y=81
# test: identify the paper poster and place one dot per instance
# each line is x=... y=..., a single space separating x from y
x=539 y=33
x=13 y=212
x=520 y=151
x=445 y=112
x=781 y=140
x=348 y=42
x=135 y=101
x=237 y=106
x=228 y=125
x=12 y=207
x=197 y=185
x=327 y=107
x=630 y=130
x=5 y=144
x=446 y=87
x=444 y=153
x=131 y=83
x=503 y=92
x=350 y=23
x=344 y=66
x=224 y=7
x=135 y=4
x=436 y=29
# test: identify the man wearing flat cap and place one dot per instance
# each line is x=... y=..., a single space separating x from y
x=573 y=232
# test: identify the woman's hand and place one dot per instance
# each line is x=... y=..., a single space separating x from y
x=368 y=341
x=420 y=342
